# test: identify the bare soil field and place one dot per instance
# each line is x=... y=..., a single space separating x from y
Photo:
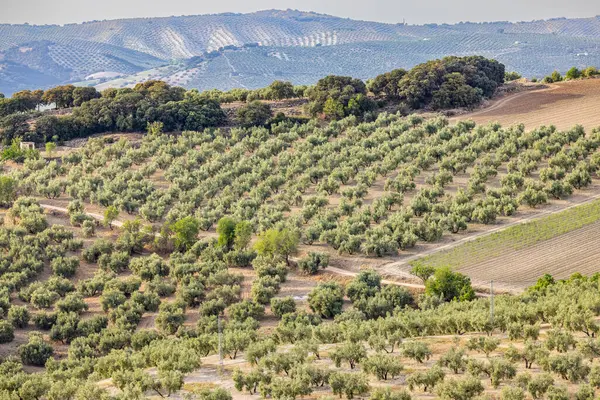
x=563 y=104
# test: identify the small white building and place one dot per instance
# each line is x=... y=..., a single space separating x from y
x=27 y=146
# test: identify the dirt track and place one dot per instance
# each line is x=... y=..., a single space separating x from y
x=563 y=104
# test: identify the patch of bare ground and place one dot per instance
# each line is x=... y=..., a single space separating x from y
x=563 y=104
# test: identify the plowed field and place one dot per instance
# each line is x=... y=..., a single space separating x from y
x=562 y=104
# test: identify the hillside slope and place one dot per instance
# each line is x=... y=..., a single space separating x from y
x=563 y=105
x=281 y=44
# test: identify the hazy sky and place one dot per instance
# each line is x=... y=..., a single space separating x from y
x=414 y=11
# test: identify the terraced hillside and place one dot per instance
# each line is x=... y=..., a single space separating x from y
x=250 y=50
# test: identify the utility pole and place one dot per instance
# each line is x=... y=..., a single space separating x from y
x=492 y=302
x=220 y=345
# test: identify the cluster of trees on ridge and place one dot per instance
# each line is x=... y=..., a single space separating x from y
x=572 y=74
x=447 y=83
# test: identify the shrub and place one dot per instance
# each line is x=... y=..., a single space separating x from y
x=35 y=351
x=282 y=306
x=64 y=266
x=311 y=264
x=43 y=297
x=417 y=350
x=244 y=310
x=427 y=379
x=464 y=389
x=6 y=332
x=573 y=73
x=18 y=316
x=326 y=299
x=512 y=393
x=383 y=366
x=349 y=352
x=348 y=384
x=389 y=394
x=73 y=302
x=511 y=76
x=450 y=285
x=149 y=267
x=44 y=320
x=89 y=228
x=98 y=248
x=255 y=113
x=170 y=317
x=115 y=262
x=111 y=299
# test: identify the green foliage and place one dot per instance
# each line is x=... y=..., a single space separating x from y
x=511 y=76
x=585 y=392
x=483 y=344
x=569 y=366
x=383 y=366
x=274 y=242
x=6 y=332
x=18 y=316
x=170 y=317
x=326 y=299
x=353 y=353
x=226 y=231
x=255 y=113
x=186 y=232
x=110 y=214
x=246 y=309
x=348 y=384
x=15 y=153
x=149 y=267
x=65 y=266
x=35 y=351
x=463 y=389
x=311 y=264
x=387 y=84
x=389 y=394
x=512 y=393
x=424 y=272
x=338 y=96
x=419 y=351
x=573 y=73
x=451 y=82
x=237 y=340
x=454 y=359
x=8 y=191
x=449 y=285
x=282 y=306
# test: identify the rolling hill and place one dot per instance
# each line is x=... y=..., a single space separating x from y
x=250 y=50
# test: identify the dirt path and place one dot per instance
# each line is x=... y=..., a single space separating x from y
x=503 y=102
x=97 y=217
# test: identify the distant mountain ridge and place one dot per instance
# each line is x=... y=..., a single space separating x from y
x=193 y=50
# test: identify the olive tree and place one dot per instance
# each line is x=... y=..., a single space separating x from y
x=349 y=352
x=383 y=366
x=35 y=351
x=326 y=299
